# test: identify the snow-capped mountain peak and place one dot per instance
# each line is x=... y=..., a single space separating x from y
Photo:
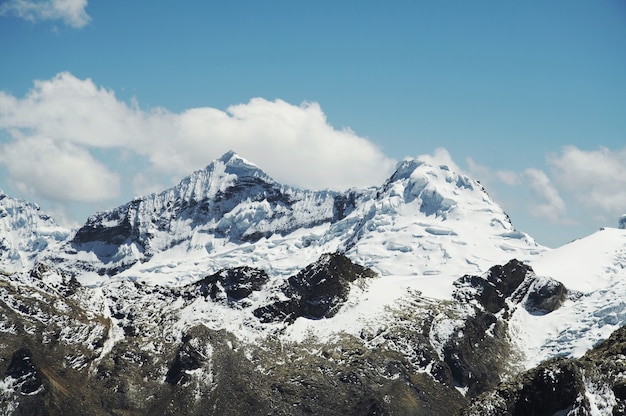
x=231 y=201
x=239 y=166
x=436 y=189
x=25 y=232
x=424 y=220
x=217 y=177
x=428 y=220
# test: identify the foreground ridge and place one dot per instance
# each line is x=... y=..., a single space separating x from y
x=85 y=340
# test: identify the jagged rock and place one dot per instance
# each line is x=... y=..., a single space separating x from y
x=482 y=334
x=492 y=290
x=316 y=292
x=544 y=296
x=469 y=353
x=592 y=384
x=323 y=286
x=555 y=387
x=187 y=359
x=24 y=371
x=233 y=284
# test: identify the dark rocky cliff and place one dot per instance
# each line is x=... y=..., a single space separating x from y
x=62 y=354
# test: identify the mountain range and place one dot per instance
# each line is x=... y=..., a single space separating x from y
x=231 y=293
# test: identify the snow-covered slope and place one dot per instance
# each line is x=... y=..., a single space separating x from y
x=423 y=221
x=594 y=270
x=25 y=233
x=217 y=216
x=430 y=221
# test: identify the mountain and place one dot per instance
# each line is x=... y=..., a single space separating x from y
x=229 y=205
x=423 y=221
x=593 y=269
x=231 y=294
x=25 y=232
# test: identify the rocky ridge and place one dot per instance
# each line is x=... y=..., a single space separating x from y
x=136 y=348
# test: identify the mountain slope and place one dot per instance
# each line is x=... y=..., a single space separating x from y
x=25 y=233
x=131 y=347
x=233 y=294
x=591 y=385
x=430 y=221
x=594 y=270
x=229 y=204
x=423 y=221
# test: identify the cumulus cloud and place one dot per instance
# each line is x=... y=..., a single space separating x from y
x=550 y=205
x=83 y=124
x=484 y=173
x=545 y=199
x=440 y=157
x=58 y=171
x=71 y=12
x=597 y=178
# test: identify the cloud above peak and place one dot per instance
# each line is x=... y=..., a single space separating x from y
x=596 y=178
x=549 y=203
x=71 y=12
x=440 y=157
x=101 y=140
x=580 y=189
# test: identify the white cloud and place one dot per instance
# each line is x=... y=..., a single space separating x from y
x=89 y=128
x=597 y=179
x=72 y=12
x=485 y=174
x=550 y=205
x=294 y=144
x=440 y=157
x=58 y=171
x=545 y=203
x=508 y=177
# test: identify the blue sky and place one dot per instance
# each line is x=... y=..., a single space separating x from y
x=102 y=101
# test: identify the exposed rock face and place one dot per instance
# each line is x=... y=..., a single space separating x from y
x=593 y=384
x=188 y=359
x=317 y=291
x=126 y=348
x=486 y=301
x=233 y=284
x=544 y=296
x=24 y=371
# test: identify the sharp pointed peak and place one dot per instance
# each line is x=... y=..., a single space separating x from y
x=233 y=159
x=234 y=164
x=228 y=156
